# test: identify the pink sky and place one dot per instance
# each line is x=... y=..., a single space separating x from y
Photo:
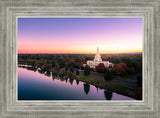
x=80 y=35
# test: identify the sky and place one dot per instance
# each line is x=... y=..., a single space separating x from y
x=80 y=35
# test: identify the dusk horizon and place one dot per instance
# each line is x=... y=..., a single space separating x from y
x=85 y=53
x=79 y=35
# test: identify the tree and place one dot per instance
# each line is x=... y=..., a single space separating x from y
x=47 y=61
x=66 y=68
x=108 y=75
x=139 y=81
x=71 y=69
x=53 y=63
x=32 y=62
x=72 y=63
x=86 y=70
x=47 y=67
x=138 y=92
x=78 y=65
x=121 y=69
x=100 y=68
x=57 y=69
x=62 y=64
x=77 y=72
x=62 y=73
x=70 y=74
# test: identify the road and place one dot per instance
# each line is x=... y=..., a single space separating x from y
x=119 y=80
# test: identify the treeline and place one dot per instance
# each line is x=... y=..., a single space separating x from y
x=123 y=63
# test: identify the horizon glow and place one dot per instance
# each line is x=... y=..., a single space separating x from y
x=80 y=35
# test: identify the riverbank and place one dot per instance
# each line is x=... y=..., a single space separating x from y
x=108 y=85
x=100 y=83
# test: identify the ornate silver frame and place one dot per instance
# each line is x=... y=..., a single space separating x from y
x=149 y=10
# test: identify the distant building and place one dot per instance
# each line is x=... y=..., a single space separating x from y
x=97 y=60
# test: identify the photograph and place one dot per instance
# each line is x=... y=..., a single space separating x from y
x=80 y=58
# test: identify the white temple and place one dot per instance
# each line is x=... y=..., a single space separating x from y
x=97 y=60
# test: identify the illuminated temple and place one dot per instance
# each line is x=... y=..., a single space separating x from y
x=97 y=60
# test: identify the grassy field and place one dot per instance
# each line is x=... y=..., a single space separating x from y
x=109 y=85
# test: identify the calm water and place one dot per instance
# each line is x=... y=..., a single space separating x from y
x=33 y=85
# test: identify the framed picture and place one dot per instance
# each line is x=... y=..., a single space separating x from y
x=79 y=59
x=61 y=49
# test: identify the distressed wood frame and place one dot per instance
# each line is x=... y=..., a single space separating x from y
x=149 y=10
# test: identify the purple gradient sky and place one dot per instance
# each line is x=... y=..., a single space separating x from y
x=80 y=35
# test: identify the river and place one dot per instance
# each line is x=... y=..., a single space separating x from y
x=33 y=85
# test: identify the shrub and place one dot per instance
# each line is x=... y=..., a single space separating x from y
x=86 y=70
x=77 y=72
x=108 y=75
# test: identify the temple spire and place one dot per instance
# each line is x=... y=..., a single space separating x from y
x=97 y=49
x=97 y=57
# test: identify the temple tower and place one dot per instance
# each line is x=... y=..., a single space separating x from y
x=97 y=57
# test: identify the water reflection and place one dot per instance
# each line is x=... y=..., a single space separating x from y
x=39 y=85
x=66 y=78
x=41 y=71
x=108 y=95
x=86 y=88
x=54 y=75
x=71 y=81
x=77 y=81
x=62 y=79
x=48 y=74
x=97 y=88
x=28 y=68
